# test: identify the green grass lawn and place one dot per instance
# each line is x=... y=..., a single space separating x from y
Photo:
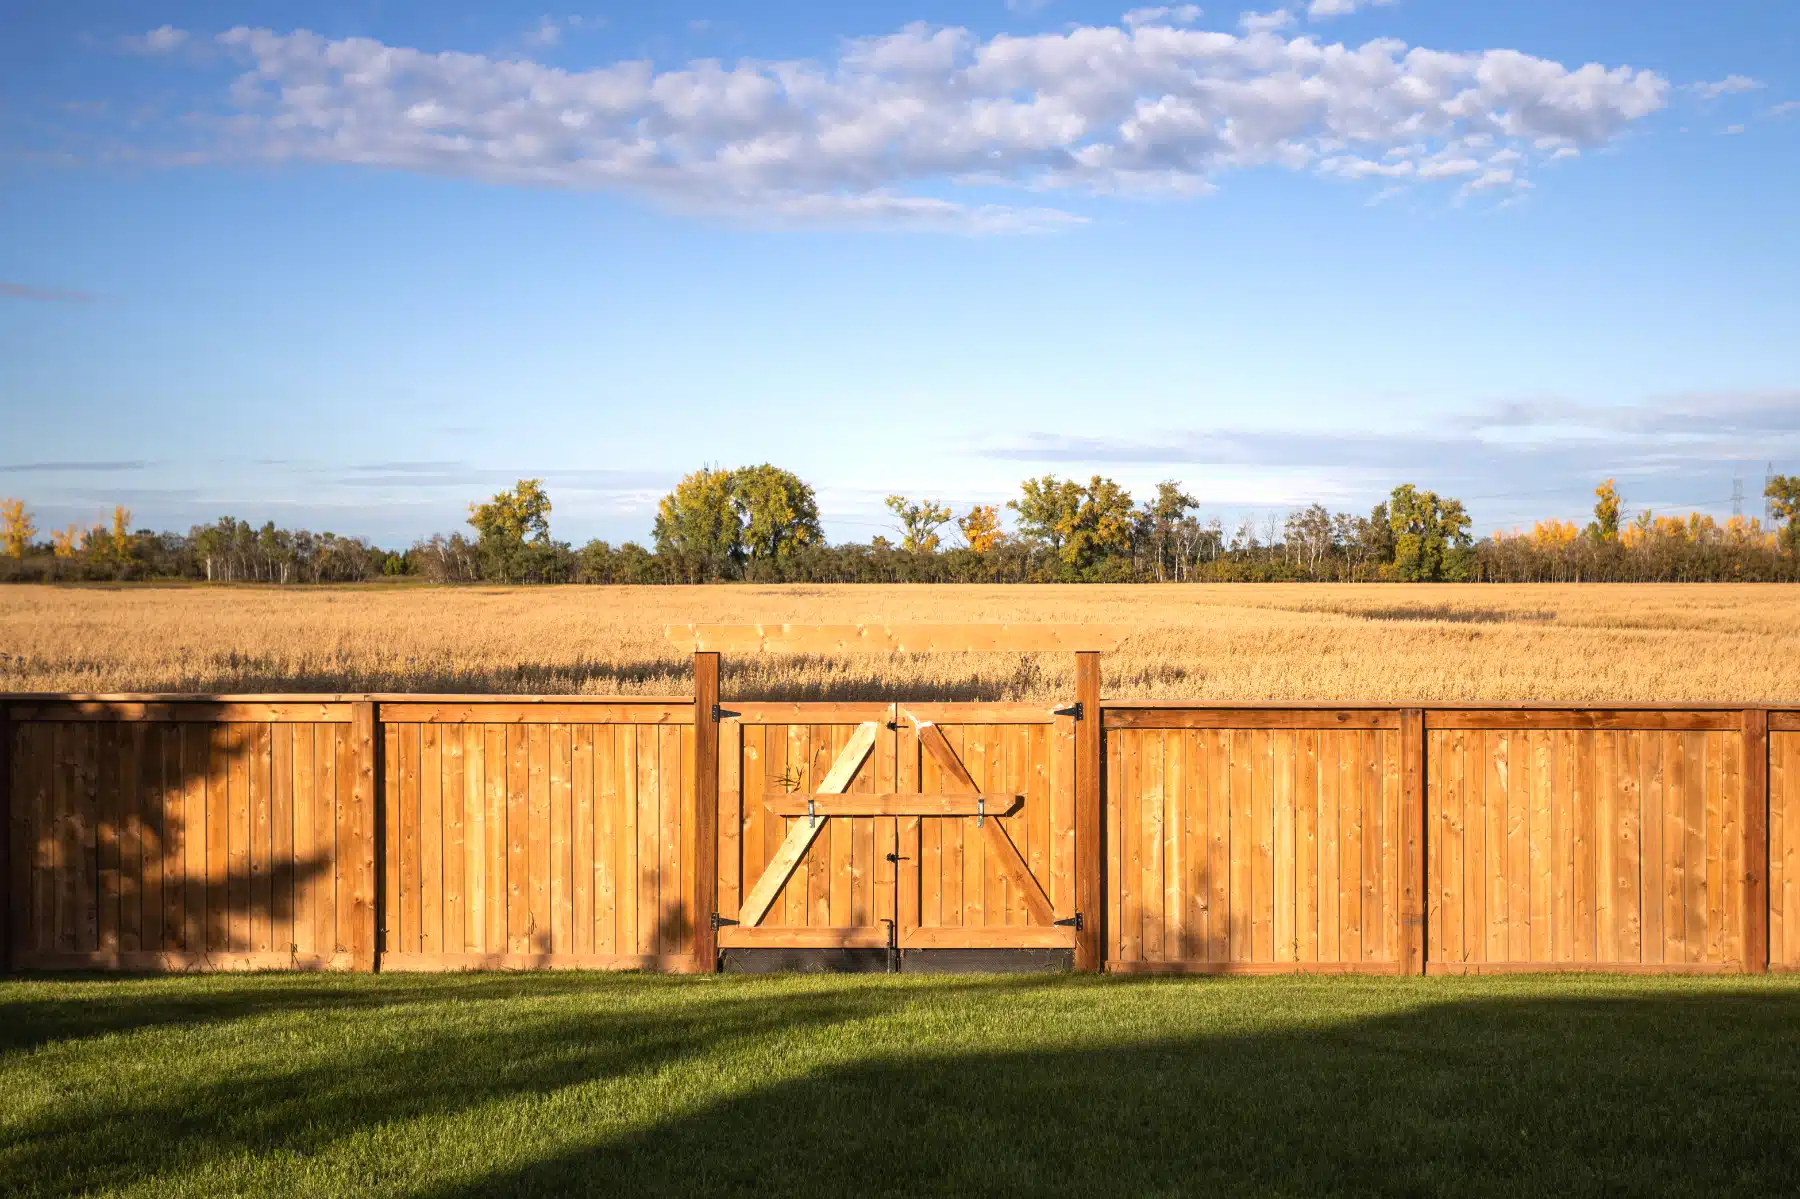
x=552 y=1084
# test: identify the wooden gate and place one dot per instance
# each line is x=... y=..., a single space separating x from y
x=896 y=826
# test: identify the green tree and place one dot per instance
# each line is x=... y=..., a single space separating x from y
x=1084 y=526
x=919 y=523
x=1103 y=525
x=698 y=530
x=1431 y=536
x=1605 y=527
x=1048 y=509
x=514 y=529
x=1783 y=492
x=1164 y=523
x=778 y=512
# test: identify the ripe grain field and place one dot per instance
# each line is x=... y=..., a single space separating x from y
x=1589 y=643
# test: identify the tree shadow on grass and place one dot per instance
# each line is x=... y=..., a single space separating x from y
x=60 y=1011
x=434 y=1061
x=1633 y=1092
x=1650 y=1094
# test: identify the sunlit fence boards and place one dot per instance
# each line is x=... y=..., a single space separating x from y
x=1254 y=840
x=1558 y=844
x=537 y=835
x=1784 y=840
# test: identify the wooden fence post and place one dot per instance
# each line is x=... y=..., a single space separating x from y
x=365 y=800
x=705 y=814
x=1756 y=841
x=8 y=868
x=1090 y=849
x=1413 y=799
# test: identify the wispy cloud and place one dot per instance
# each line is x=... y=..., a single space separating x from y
x=67 y=467
x=1731 y=85
x=1265 y=22
x=1320 y=10
x=1162 y=14
x=547 y=32
x=1662 y=446
x=162 y=40
x=58 y=295
x=900 y=130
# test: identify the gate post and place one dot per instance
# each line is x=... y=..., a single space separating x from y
x=1090 y=852
x=705 y=814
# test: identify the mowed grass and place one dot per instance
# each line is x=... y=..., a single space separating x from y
x=816 y=1085
x=1578 y=644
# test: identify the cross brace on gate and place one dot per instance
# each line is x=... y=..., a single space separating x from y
x=962 y=797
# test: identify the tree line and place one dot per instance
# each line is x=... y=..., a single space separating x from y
x=761 y=524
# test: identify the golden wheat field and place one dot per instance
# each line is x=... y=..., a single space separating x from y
x=1589 y=644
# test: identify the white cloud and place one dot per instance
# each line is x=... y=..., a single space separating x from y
x=162 y=40
x=1320 y=10
x=546 y=33
x=1162 y=14
x=1731 y=85
x=1782 y=109
x=910 y=129
x=1265 y=22
x=1026 y=8
x=1733 y=129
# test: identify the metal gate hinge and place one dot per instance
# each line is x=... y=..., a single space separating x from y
x=719 y=922
x=1073 y=922
x=719 y=713
x=1076 y=712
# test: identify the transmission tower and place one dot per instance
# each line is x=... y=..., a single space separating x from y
x=1737 y=497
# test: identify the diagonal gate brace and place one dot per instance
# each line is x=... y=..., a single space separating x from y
x=957 y=780
x=801 y=836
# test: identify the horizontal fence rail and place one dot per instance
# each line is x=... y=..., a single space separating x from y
x=432 y=832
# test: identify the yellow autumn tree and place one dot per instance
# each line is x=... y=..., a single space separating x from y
x=68 y=542
x=1606 y=513
x=16 y=529
x=981 y=528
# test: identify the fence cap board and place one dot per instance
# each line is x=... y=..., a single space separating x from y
x=895 y=638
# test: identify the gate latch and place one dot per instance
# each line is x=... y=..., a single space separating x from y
x=980 y=810
x=1076 y=712
x=812 y=813
x=1073 y=922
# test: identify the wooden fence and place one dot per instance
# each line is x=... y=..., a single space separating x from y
x=444 y=832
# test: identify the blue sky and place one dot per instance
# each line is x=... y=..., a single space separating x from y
x=352 y=266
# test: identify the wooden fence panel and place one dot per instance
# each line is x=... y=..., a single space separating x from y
x=1784 y=850
x=1584 y=848
x=158 y=843
x=548 y=844
x=1254 y=850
